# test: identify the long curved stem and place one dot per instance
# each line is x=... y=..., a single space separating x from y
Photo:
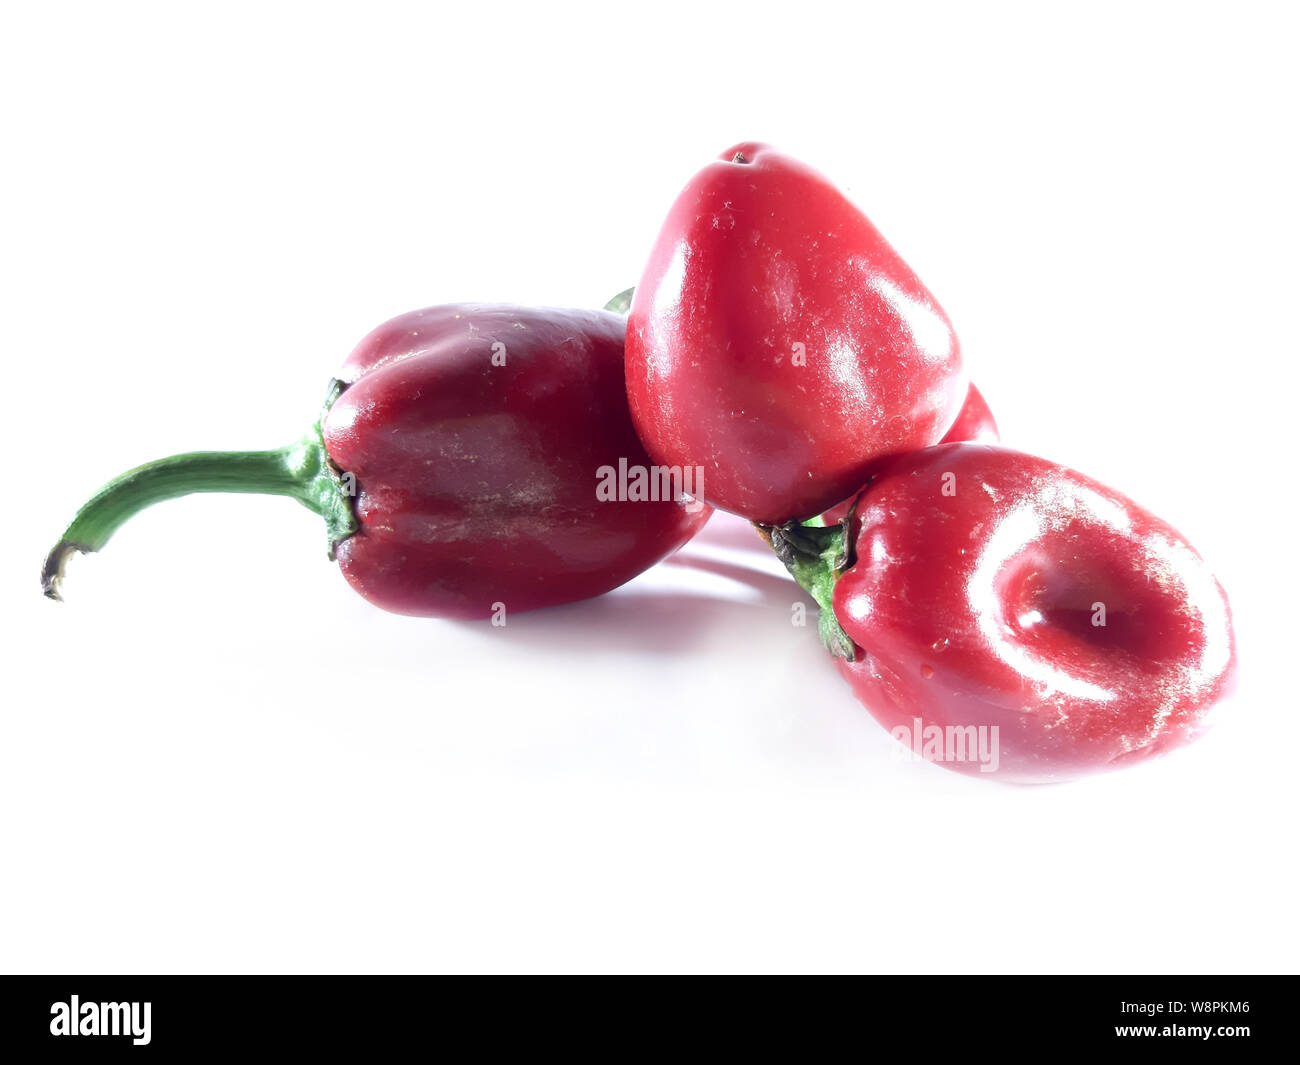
x=300 y=470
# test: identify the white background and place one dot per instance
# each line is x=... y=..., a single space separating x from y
x=215 y=757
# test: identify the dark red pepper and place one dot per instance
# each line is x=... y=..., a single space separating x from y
x=474 y=437
x=978 y=587
x=779 y=342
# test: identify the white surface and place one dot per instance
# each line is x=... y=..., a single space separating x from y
x=216 y=757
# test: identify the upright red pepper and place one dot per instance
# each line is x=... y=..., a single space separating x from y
x=975 y=587
x=475 y=436
x=778 y=341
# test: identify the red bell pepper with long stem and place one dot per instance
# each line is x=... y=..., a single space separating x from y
x=456 y=465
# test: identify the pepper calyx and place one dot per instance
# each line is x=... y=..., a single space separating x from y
x=816 y=556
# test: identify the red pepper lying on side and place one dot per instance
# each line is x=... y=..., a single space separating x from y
x=976 y=587
x=474 y=437
x=777 y=340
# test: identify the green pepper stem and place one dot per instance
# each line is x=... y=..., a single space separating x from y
x=815 y=557
x=301 y=471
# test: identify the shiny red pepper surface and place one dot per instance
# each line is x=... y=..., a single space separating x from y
x=993 y=588
x=777 y=340
x=476 y=433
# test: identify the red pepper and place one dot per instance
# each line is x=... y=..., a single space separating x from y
x=475 y=437
x=975 y=423
x=976 y=587
x=778 y=341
